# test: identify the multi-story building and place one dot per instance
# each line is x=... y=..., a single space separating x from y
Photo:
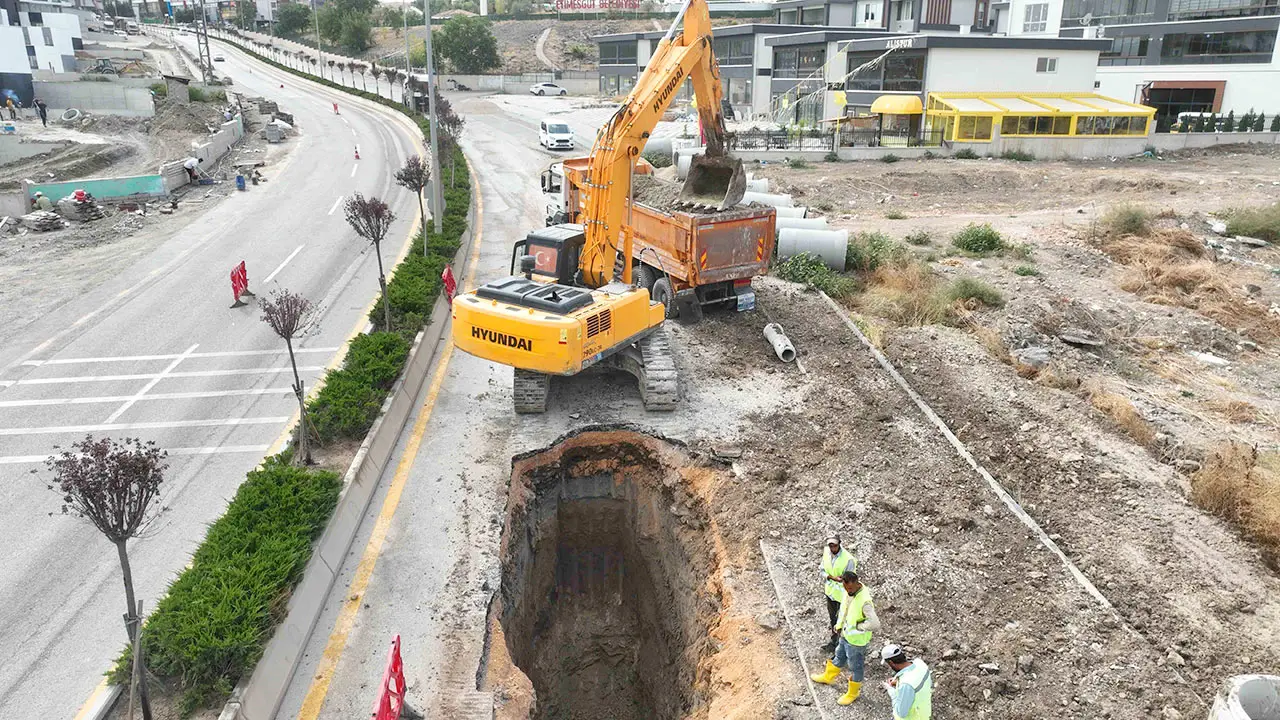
x=1174 y=55
x=44 y=34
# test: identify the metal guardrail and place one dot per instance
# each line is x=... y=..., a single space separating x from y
x=813 y=139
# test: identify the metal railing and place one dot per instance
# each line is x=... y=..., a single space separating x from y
x=876 y=137
x=807 y=139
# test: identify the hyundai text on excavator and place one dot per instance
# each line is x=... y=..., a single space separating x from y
x=584 y=308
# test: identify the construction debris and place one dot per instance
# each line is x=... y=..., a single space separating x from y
x=43 y=221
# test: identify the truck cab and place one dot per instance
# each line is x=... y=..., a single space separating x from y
x=553 y=189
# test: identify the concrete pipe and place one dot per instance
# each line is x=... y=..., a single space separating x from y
x=658 y=146
x=767 y=199
x=757 y=185
x=791 y=212
x=684 y=159
x=828 y=245
x=818 y=223
x=782 y=346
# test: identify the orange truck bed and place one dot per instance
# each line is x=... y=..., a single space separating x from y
x=710 y=253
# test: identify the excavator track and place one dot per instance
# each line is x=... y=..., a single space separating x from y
x=659 y=385
x=530 y=391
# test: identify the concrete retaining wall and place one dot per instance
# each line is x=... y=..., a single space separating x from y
x=103 y=98
x=15 y=147
x=220 y=142
x=141 y=187
x=13 y=203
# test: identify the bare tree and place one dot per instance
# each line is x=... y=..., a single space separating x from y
x=290 y=316
x=415 y=175
x=115 y=486
x=330 y=63
x=342 y=73
x=371 y=219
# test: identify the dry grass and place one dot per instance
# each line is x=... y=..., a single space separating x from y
x=1122 y=412
x=904 y=293
x=1055 y=377
x=1236 y=411
x=874 y=331
x=1242 y=487
x=1172 y=267
x=994 y=344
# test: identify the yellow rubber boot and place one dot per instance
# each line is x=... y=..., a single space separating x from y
x=855 y=688
x=828 y=677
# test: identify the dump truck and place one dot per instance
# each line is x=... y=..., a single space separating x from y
x=686 y=258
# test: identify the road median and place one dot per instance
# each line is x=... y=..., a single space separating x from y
x=241 y=614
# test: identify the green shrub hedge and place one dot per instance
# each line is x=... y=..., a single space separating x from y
x=213 y=624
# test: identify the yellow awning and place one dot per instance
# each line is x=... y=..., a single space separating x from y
x=897 y=105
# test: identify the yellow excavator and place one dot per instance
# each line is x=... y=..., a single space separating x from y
x=574 y=304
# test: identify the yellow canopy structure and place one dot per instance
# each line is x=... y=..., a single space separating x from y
x=897 y=105
x=971 y=117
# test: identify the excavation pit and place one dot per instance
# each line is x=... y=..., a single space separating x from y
x=607 y=578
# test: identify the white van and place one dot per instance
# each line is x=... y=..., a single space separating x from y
x=555 y=135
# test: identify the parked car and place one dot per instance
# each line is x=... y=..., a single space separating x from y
x=554 y=135
x=219 y=58
x=548 y=89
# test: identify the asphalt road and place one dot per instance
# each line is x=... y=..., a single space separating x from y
x=431 y=536
x=156 y=353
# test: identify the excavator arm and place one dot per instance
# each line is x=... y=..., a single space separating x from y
x=713 y=181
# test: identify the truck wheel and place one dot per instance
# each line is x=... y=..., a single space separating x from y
x=648 y=276
x=662 y=293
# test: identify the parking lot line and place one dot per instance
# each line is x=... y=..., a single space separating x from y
x=171 y=356
x=222 y=450
x=150 y=376
x=168 y=369
x=106 y=427
x=151 y=396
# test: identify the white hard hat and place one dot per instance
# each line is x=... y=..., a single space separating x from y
x=891 y=651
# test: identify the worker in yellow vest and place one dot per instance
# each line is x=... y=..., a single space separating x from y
x=835 y=561
x=854 y=625
x=911 y=687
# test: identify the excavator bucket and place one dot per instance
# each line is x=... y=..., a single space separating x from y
x=714 y=183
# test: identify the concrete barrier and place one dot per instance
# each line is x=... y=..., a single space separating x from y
x=140 y=187
x=103 y=98
x=14 y=203
x=15 y=147
x=219 y=144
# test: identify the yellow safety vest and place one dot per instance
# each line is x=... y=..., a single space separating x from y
x=851 y=614
x=836 y=566
x=919 y=677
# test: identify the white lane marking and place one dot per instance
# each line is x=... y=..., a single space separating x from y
x=6 y=383
x=336 y=203
x=353 y=133
x=171 y=356
x=107 y=427
x=280 y=267
x=154 y=381
x=353 y=170
x=149 y=376
x=344 y=119
x=152 y=396
x=225 y=449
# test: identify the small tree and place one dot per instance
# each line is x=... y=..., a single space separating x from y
x=342 y=72
x=414 y=176
x=359 y=67
x=1230 y=124
x=371 y=219
x=578 y=54
x=468 y=44
x=115 y=486
x=1246 y=122
x=1259 y=123
x=290 y=316
x=1275 y=123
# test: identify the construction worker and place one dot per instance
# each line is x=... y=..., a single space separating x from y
x=41 y=202
x=42 y=110
x=13 y=109
x=854 y=625
x=835 y=560
x=911 y=687
x=192 y=164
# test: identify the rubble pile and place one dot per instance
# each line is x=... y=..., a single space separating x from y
x=43 y=221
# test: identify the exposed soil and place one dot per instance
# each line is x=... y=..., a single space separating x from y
x=605 y=600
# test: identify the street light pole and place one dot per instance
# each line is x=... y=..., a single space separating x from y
x=437 y=194
x=315 y=15
x=404 y=10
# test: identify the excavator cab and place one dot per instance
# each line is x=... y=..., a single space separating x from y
x=554 y=251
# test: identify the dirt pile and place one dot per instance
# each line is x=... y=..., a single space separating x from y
x=605 y=597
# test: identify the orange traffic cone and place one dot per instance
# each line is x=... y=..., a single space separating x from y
x=357 y=152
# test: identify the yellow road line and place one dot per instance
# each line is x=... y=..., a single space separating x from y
x=97 y=693
x=315 y=698
x=313 y=703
